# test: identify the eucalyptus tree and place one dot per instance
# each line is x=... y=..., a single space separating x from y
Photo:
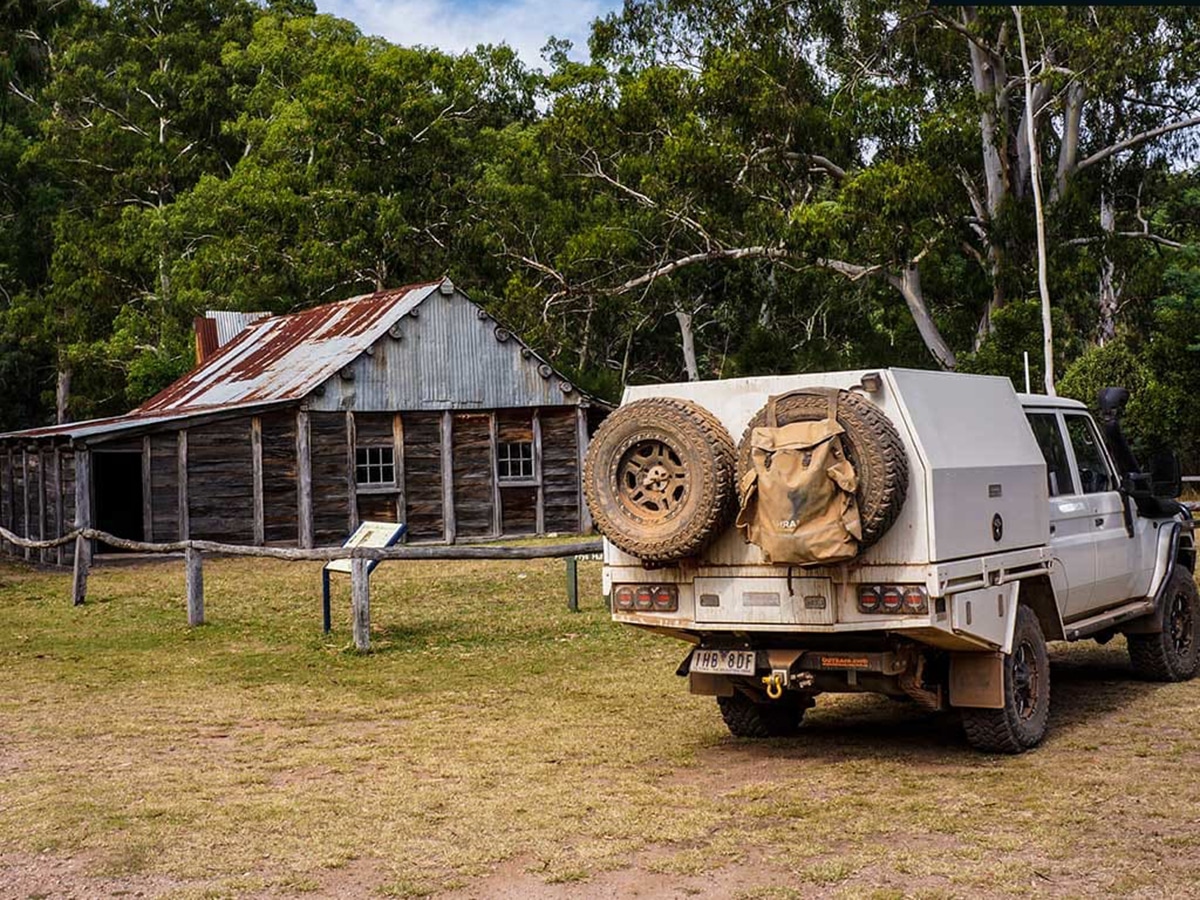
x=880 y=143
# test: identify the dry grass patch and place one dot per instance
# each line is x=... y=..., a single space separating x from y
x=491 y=726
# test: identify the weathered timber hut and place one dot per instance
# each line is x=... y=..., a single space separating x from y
x=409 y=405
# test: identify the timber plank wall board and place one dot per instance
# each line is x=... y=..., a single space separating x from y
x=518 y=509
x=164 y=485
x=68 y=489
x=331 y=493
x=280 y=503
x=52 y=488
x=514 y=425
x=220 y=482
x=18 y=482
x=473 y=474
x=373 y=429
x=560 y=470
x=423 y=475
x=379 y=507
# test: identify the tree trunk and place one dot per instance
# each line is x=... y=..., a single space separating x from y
x=1108 y=295
x=989 y=77
x=62 y=392
x=1036 y=182
x=908 y=283
x=687 y=339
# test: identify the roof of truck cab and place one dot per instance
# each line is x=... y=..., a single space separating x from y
x=1043 y=401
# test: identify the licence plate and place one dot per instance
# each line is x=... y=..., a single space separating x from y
x=723 y=662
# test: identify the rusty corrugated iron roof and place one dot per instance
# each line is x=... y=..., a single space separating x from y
x=286 y=357
x=274 y=360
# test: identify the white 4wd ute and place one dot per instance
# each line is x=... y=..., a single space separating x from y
x=941 y=529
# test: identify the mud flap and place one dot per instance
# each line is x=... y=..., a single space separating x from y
x=977 y=680
x=709 y=685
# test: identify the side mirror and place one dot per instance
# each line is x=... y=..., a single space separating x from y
x=1166 y=475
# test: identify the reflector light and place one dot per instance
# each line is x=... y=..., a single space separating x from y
x=624 y=598
x=891 y=599
x=868 y=598
x=666 y=599
x=915 y=600
x=644 y=598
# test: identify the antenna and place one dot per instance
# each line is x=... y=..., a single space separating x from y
x=1027 y=390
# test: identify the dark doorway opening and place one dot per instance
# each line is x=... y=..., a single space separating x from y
x=117 y=480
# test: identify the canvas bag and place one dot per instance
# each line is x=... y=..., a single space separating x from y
x=798 y=502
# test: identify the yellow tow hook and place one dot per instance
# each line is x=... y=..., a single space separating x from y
x=774 y=683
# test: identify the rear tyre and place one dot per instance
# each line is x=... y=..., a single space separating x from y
x=747 y=718
x=1021 y=724
x=1174 y=653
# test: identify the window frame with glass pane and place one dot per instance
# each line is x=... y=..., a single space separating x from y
x=1054 y=468
x=377 y=459
x=526 y=472
x=1099 y=454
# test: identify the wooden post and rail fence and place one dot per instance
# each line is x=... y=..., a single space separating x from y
x=360 y=594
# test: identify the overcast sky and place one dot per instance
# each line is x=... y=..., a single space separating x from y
x=455 y=25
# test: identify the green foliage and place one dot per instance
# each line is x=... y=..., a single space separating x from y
x=782 y=187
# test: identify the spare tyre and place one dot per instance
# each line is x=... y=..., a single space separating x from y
x=658 y=478
x=871 y=442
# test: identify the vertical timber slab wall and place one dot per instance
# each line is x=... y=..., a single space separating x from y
x=147 y=490
x=380 y=504
x=331 y=499
x=560 y=469
x=220 y=485
x=49 y=511
x=518 y=503
x=304 y=492
x=164 y=485
x=423 y=475
x=6 y=494
x=280 y=497
x=256 y=465
x=66 y=471
x=471 y=458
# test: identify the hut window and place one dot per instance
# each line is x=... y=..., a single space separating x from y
x=514 y=461
x=375 y=465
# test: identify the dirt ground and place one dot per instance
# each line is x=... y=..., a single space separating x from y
x=496 y=746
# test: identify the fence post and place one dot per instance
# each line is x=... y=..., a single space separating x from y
x=83 y=519
x=360 y=602
x=195 y=586
x=573 y=584
x=79 y=576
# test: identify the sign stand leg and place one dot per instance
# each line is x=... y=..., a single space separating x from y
x=325 y=616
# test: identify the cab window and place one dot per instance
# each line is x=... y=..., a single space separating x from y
x=1094 y=474
x=1049 y=438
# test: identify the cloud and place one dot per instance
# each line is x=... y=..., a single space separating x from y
x=456 y=25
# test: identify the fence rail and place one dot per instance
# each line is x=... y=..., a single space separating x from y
x=192 y=551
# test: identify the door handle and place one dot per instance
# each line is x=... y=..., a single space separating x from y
x=1099 y=520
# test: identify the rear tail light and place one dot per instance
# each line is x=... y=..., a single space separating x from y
x=892 y=599
x=915 y=599
x=647 y=597
x=666 y=598
x=868 y=599
x=624 y=598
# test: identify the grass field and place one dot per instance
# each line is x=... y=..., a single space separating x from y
x=495 y=744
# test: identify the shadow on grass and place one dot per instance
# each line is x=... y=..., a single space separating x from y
x=1087 y=682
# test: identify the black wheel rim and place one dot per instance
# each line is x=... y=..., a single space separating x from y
x=1180 y=624
x=1026 y=680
